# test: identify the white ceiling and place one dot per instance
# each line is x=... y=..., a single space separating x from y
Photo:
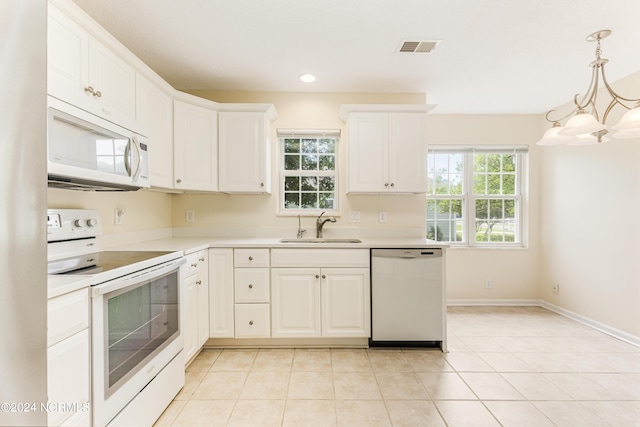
x=496 y=56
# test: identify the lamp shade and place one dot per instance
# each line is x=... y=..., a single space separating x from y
x=630 y=120
x=582 y=123
x=552 y=136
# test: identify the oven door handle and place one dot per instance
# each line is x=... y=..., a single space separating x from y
x=135 y=279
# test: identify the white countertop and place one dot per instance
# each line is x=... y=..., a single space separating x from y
x=58 y=285
x=192 y=244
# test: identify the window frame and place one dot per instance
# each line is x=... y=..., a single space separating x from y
x=469 y=198
x=283 y=134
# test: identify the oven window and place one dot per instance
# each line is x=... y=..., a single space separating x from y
x=140 y=322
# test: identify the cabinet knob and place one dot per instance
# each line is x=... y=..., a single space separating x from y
x=98 y=94
x=178 y=181
x=194 y=264
x=386 y=184
x=201 y=259
x=317 y=276
x=324 y=277
x=393 y=184
x=250 y=286
x=262 y=184
x=250 y=322
x=198 y=282
x=90 y=90
x=250 y=258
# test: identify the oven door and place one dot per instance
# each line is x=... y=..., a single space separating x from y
x=136 y=333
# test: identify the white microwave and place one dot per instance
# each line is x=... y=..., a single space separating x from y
x=87 y=152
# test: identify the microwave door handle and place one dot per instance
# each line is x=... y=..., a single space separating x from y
x=127 y=157
x=139 y=163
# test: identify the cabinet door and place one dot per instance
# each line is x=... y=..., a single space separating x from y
x=244 y=152
x=67 y=52
x=195 y=148
x=408 y=152
x=114 y=79
x=221 y=317
x=154 y=111
x=368 y=163
x=295 y=302
x=190 y=316
x=203 y=297
x=345 y=302
x=68 y=374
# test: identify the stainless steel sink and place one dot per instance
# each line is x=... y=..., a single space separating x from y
x=320 y=241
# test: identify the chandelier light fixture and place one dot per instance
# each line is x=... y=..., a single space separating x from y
x=584 y=125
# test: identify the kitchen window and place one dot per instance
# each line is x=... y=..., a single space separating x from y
x=308 y=173
x=475 y=195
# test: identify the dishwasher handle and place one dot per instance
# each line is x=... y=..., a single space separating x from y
x=406 y=253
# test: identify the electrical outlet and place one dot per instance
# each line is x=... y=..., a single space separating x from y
x=117 y=216
x=191 y=216
x=382 y=216
x=488 y=284
x=354 y=216
x=556 y=288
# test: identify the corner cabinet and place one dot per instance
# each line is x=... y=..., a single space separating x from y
x=387 y=148
x=244 y=135
x=154 y=112
x=195 y=146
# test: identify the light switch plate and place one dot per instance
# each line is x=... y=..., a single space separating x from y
x=191 y=216
x=354 y=216
x=382 y=216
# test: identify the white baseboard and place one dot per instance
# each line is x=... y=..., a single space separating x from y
x=616 y=333
x=499 y=302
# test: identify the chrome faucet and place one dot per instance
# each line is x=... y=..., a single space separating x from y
x=301 y=232
x=320 y=223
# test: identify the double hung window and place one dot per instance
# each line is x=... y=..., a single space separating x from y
x=309 y=171
x=475 y=195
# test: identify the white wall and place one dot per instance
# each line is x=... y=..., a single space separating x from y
x=589 y=216
x=513 y=272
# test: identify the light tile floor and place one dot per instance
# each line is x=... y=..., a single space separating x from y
x=506 y=366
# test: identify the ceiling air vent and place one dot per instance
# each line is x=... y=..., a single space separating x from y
x=424 y=46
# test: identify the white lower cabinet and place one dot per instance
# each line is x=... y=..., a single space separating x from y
x=68 y=370
x=251 y=286
x=195 y=303
x=330 y=298
x=221 y=300
x=295 y=300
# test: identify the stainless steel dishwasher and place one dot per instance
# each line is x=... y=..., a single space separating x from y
x=407 y=298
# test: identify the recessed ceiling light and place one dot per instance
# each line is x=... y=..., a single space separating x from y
x=307 y=78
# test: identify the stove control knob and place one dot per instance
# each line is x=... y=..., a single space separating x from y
x=77 y=223
x=92 y=222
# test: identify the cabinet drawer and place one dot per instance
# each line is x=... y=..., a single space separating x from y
x=252 y=321
x=251 y=257
x=320 y=258
x=67 y=315
x=192 y=264
x=251 y=285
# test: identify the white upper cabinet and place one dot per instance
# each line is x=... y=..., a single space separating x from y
x=387 y=148
x=86 y=73
x=154 y=112
x=195 y=147
x=244 y=148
